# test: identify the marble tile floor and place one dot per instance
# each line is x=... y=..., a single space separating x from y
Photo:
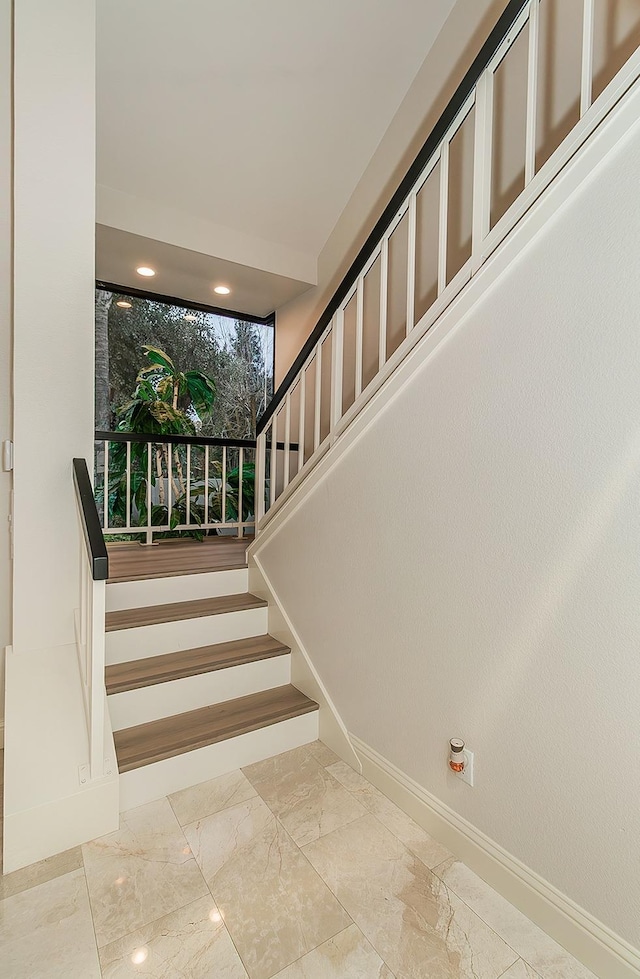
x=293 y=868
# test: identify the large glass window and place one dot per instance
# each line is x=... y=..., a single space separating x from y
x=237 y=354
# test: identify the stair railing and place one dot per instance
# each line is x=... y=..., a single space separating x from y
x=148 y=485
x=90 y=622
x=480 y=169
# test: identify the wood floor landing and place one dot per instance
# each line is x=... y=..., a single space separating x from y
x=157 y=740
x=191 y=662
x=132 y=618
x=133 y=561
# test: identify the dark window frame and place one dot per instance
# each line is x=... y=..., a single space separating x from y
x=157 y=297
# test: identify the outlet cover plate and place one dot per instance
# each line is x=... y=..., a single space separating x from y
x=466 y=775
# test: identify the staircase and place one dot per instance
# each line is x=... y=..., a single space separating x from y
x=195 y=685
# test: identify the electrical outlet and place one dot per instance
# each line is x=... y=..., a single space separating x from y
x=466 y=775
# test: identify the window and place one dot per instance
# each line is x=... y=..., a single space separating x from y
x=237 y=353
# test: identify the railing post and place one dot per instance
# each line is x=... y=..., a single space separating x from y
x=481 y=168
x=336 y=370
x=240 y=475
x=261 y=470
x=105 y=521
x=384 y=299
x=318 y=396
x=287 y=439
x=359 y=335
x=586 y=84
x=302 y=421
x=532 y=91
x=443 y=215
x=149 y=532
x=411 y=262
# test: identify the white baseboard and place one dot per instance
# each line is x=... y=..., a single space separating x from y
x=58 y=825
x=589 y=940
x=303 y=673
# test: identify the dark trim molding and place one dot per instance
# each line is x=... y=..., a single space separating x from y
x=157 y=297
x=93 y=536
x=157 y=439
x=466 y=86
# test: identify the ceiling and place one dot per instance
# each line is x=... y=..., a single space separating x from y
x=185 y=274
x=242 y=128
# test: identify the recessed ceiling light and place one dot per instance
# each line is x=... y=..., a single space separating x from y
x=190 y=318
x=123 y=304
x=145 y=270
x=222 y=290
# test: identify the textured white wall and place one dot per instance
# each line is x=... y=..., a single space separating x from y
x=471 y=566
x=54 y=198
x=5 y=328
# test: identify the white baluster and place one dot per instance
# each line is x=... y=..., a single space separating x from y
x=586 y=87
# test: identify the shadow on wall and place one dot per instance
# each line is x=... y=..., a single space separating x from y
x=616 y=37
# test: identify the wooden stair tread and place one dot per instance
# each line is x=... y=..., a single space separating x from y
x=190 y=662
x=157 y=740
x=133 y=562
x=175 y=611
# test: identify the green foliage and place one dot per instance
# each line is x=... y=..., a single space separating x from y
x=167 y=401
x=164 y=397
x=234 y=355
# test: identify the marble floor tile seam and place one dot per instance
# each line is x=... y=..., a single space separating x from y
x=310 y=950
x=503 y=934
x=305 y=955
x=281 y=822
x=217 y=898
x=90 y=906
x=435 y=871
x=103 y=939
x=36 y=881
x=152 y=921
x=447 y=888
x=531 y=973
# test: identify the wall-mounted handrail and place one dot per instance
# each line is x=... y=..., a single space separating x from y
x=435 y=137
x=90 y=522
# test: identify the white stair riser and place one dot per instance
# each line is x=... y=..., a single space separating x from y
x=176 y=588
x=177 y=696
x=125 y=645
x=163 y=777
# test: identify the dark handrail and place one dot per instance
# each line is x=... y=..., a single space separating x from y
x=463 y=91
x=93 y=536
x=158 y=439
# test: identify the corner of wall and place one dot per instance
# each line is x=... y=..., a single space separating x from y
x=304 y=676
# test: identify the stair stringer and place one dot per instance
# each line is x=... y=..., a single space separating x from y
x=304 y=676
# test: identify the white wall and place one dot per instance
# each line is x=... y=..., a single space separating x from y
x=53 y=306
x=5 y=328
x=453 y=51
x=470 y=567
x=46 y=808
